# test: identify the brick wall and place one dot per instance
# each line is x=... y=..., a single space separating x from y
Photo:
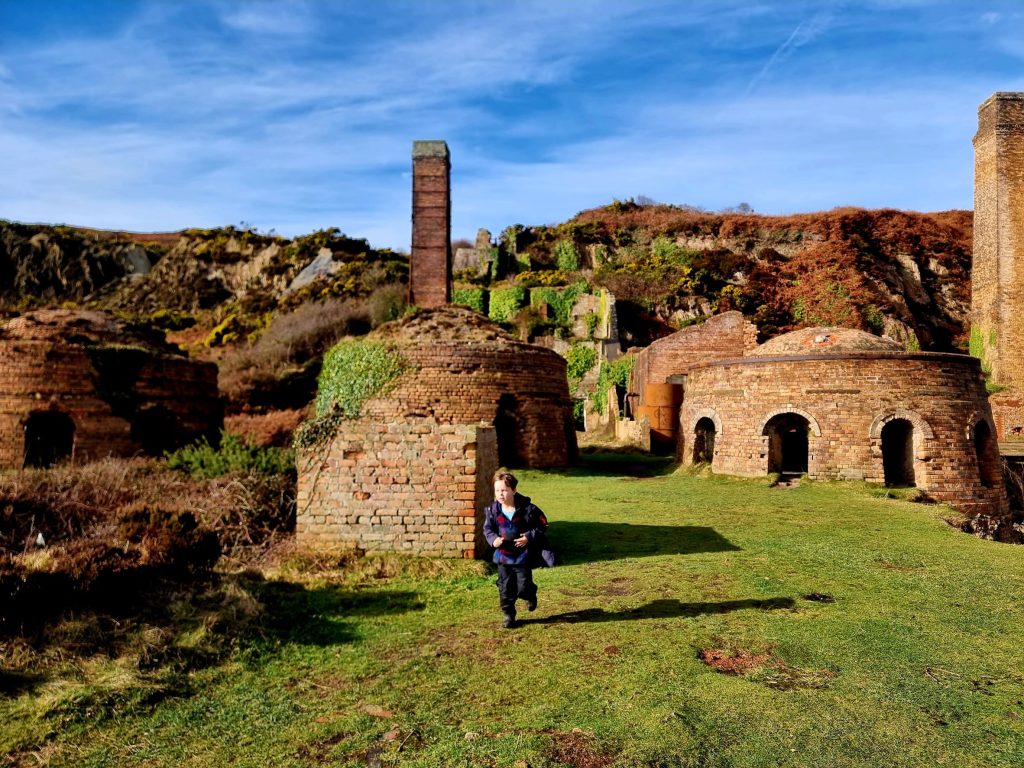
x=997 y=287
x=430 y=274
x=462 y=382
x=43 y=375
x=416 y=485
x=847 y=400
x=721 y=336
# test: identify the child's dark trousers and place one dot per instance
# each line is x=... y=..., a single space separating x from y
x=515 y=581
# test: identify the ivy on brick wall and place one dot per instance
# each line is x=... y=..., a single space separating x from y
x=474 y=298
x=616 y=373
x=354 y=371
x=505 y=302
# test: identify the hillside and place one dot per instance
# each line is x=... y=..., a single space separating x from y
x=266 y=307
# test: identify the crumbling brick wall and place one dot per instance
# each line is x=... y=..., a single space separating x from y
x=847 y=399
x=720 y=337
x=413 y=485
x=122 y=398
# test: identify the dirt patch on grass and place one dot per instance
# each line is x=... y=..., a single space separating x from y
x=764 y=668
x=579 y=750
x=319 y=752
x=618 y=587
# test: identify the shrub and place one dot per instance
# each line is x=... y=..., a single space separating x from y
x=505 y=302
x=387 y=303
x=474 y=298
x=202 y=460
x=560 y=301
x=579 y=360
x=615 y=373
x=566 y=257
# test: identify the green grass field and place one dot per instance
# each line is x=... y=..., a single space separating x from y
x=695 y=621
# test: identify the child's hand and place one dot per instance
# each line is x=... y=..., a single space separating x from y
x=497 y=542
x=521 y=541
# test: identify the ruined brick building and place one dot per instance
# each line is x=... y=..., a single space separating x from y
x=413 y=471
x=81 y=385
x=842 y=404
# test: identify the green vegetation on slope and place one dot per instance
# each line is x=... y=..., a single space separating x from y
x=860 y=631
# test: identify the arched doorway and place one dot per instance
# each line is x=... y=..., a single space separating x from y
x=987 y=452
x=506 y=429
x=898 y=453
x=704 y=441
x=49 y=438
x=788 y=445
x=156 y=430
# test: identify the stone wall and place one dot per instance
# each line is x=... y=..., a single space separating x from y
x=417 y=485
x=430 y=274
x=997 y=288
x=846 y=402
x=721 y=336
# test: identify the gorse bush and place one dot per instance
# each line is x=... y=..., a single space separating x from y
x=202 y=460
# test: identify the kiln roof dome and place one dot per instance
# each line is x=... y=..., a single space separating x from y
x=825 y=341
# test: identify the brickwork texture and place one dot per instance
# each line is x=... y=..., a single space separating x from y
x=123 y=397
x=430 y=271
x=997 y=272
x=846 y=400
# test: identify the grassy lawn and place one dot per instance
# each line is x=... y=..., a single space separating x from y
x=696 y=621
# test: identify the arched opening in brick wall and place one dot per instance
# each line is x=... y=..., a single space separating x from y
x=156 y=430
x=987 y=452
x=898 y=453
x=49 y=438
x=506 y=429
x=788 y=443
x=704 y=441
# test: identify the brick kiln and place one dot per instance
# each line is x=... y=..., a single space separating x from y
x=81 y=385
x=841 y=403
x=413 y=471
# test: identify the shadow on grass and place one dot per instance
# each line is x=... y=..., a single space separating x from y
x=323 y=616
x=628 y=464
x=663 y=609
x=585 y=541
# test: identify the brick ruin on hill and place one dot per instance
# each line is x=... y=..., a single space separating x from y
x=412 y=473
x=80 y=385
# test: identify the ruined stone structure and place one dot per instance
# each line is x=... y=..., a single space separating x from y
x=79 y=385
x=413 y=472
x=430 y=266
x=660 y=370
x=997 y=300
x=840 y=403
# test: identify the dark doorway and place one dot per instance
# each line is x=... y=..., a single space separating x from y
x=506 y=428
x=788 y=446
x=49 y=438
x=898 y=453
x=156 y=430
x=704 y=441
x=985 y=448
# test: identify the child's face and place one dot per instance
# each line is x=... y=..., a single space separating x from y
x=503 y=493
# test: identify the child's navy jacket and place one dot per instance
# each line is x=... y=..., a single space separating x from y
x=528 y=520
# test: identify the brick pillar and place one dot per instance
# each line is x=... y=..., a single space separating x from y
x=430 y=268
x=997 y=273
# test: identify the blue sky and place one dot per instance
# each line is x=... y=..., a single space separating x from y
x=300 y=114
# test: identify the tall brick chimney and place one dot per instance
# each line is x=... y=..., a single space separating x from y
x=997 y=272
x=430 y=268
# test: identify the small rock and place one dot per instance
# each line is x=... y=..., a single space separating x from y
x=472 y=736
x=374 y=710
x=392 y=735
